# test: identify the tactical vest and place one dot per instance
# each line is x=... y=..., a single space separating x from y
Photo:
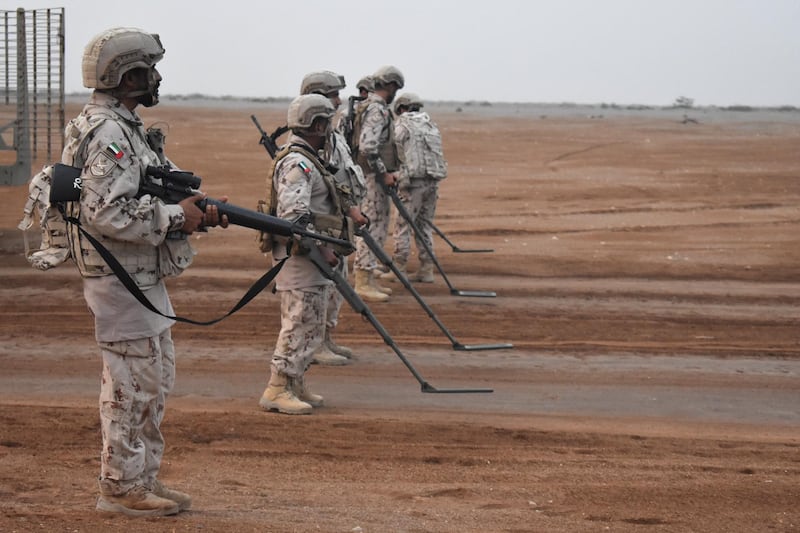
x=349 y=177
x=387 y=151
x=422 y=153
x=141 y=261
x=335 y=225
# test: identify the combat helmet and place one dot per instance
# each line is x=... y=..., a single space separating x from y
x=409 y=100
x=114 y=52
x=324 y=82
x=366 y=83
x=388 y=74
x=307 y=107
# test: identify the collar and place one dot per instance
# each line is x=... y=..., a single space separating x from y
x=109 y=102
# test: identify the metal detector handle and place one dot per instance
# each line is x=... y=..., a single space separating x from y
x=401 y=209
x=455 y=248
x=360 y=307
x=384 y=258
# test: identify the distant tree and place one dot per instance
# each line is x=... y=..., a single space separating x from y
x=684 y=102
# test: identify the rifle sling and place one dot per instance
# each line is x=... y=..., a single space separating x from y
x=137 y=293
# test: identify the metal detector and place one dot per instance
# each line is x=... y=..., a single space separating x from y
x=455 y=248
x=398 y=203
x=383 y=257
x=360 y=307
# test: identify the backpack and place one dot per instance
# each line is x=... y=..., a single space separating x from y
x=423 y=152
x=54 y=248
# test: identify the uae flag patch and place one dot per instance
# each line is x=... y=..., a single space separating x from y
x=305 y=168
x=115 y=151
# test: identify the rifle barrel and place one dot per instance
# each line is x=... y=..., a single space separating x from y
x=248 y=218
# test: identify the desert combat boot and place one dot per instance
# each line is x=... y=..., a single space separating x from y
x=365 y=289
x=326 y=357
x=373 y=281
x=279 y=396
x=338 y=349
x=425 y=273
x=390 y=276
x=139 y=501
x=183 y=500
x=304 y=394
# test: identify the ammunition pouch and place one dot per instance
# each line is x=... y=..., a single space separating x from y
x=264 y=239
x=336 y=226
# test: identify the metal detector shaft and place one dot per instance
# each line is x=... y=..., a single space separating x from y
x=384 y=258
x=398 y=203
x=360 y=307
x=456 y=248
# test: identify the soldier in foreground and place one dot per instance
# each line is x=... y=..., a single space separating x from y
x=304 y=189
x=373 y=135
x=149 y=238
x=419 y=145
x=349 y=182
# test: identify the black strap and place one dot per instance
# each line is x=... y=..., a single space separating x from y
x=137 y=293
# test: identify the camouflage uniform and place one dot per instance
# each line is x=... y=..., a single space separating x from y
x=349 y=180
x=304 y=291
x=377 y=155
x=419 y=144
x=142 y=233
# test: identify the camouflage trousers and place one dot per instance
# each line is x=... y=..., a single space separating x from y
x=376 y=208
x=303 y=314
x=138 y=375
x=335 y=298
x=420 y=202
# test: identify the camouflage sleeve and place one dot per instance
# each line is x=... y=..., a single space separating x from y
x=340 y=119
x=401 y=139
x=110 y=184
x=369 y=143
x=349 y=178
x=293 y=187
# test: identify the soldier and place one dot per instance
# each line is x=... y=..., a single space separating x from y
x=365 y=86
x=303 y=189
x=377 y=155
x=419 y=145
x=344 y=114
x=349 y=180
x=149 y=239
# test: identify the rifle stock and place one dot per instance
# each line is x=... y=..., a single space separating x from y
x=269 y=141
x=349 y=122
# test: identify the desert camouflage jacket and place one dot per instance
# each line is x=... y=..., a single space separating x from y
x=133 y=228
x=377 y=153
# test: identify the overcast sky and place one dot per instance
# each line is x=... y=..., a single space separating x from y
x=718 y=52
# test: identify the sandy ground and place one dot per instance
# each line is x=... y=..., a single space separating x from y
x=646 y=273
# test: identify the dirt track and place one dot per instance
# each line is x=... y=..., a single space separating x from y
x=646 y=272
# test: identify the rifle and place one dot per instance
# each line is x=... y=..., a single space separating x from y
x=177 y=185
x=349 y=122
x=268 y=141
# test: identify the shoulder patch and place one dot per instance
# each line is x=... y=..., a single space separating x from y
x=115 y=151
x=102 y=164
x=304 y=167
